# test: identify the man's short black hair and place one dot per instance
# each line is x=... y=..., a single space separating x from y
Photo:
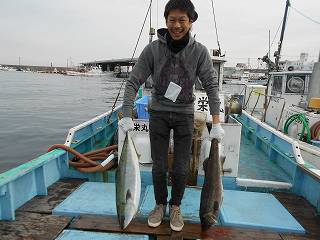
x=184 y=5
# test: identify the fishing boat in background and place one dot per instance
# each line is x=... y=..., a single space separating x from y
x=292 y=91
x=290 y=102
x=94 y=71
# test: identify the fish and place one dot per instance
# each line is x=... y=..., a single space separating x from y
x=212 y=189
x=128 y=183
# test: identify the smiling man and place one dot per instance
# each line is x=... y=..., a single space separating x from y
x=174 y=61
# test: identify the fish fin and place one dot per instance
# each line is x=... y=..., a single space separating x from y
x=128 y=195
x=216 y=206
x=223 y=160
x=135 y=148
x=208 y=220
x=121 y=221
x=205 y=164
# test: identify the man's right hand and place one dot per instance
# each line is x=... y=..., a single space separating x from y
x=126 y=124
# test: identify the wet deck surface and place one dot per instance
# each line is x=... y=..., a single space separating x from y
x=34 y=221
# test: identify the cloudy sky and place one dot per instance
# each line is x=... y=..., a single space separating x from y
x=45 y=31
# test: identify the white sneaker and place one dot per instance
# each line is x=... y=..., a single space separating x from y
x=176 y=220
x=156 y=215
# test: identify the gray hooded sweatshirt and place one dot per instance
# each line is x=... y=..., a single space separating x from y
x=182 y=68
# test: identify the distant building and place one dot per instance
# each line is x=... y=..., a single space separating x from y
x=301 y=64
x=241 y=66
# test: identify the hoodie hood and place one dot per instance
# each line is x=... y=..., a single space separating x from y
x=161 y=33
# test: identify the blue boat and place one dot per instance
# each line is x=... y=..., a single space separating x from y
x=269 y=191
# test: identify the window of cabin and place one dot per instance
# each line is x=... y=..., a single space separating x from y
x=276 y=85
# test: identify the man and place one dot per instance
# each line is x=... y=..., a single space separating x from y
x=174 y=61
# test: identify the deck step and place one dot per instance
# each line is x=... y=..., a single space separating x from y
x=239 y=208
x=96 y=198
x=246 y=182
x=257 y=210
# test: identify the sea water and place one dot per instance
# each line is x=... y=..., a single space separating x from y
x=38 y=109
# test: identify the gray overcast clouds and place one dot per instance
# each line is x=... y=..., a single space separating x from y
x=45 y=31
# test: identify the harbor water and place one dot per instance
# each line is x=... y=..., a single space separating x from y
x=38 y=109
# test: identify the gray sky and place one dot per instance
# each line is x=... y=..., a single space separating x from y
x=45 y=31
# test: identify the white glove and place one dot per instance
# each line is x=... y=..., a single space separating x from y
x=216 y=132
x=126 y=124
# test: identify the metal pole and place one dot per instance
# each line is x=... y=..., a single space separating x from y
x=157 y=14
x=282 y=35
x=269 y=45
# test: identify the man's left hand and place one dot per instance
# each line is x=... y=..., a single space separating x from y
x=216 y=132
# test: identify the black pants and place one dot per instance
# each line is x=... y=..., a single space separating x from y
x=160 y=125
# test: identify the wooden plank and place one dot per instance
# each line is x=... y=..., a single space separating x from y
x=303 y=212
x=33 y=226
x=57 y=192
x=163 y=238
x=298 y=237
x=190 y=230
x=111 y=224
x=193 y=231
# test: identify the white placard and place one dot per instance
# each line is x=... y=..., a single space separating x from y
x=140 y=138
x=201 y=104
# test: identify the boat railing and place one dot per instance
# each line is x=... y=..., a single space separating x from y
x=71 y=134
x=254 y=91
x=294 y=145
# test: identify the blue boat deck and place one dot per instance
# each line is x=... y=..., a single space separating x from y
x=34 y=193
x=250 y=210
x=255 y=164
x=35 y=221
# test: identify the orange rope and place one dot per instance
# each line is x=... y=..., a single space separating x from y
x=315 y=130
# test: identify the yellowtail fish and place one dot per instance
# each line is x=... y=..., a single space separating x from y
x=128 y=183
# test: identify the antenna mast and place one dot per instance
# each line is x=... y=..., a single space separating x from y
x=278 y=52
x=152 y=31
x=275 y=65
